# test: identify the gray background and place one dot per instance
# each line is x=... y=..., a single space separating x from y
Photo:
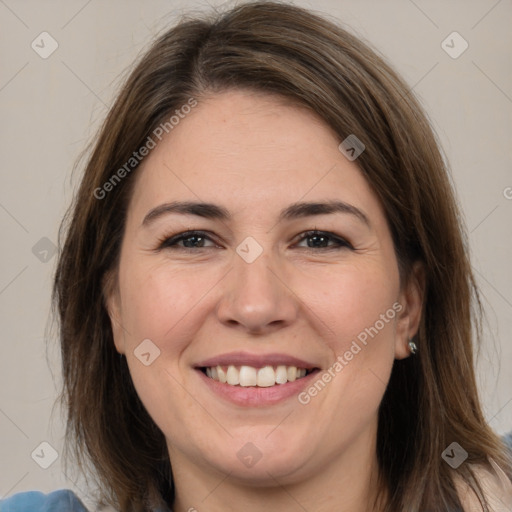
x=52 y=107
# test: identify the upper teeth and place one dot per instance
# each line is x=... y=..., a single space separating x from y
x=250 y=376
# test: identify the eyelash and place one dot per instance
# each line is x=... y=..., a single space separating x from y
x=170 y=242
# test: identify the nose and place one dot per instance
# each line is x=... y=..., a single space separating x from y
x=256 y=297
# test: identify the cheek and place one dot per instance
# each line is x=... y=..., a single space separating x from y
x=350 y=301
x=362 y=313
x=158 y=301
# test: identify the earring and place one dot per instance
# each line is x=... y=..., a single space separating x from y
x=412 y=347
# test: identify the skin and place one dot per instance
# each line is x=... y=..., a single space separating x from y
x=299 y=300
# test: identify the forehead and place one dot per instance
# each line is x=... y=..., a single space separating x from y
x=250 y=151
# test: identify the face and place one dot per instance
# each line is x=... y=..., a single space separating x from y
x=259 y=287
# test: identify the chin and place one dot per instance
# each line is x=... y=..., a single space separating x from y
x=260 y=461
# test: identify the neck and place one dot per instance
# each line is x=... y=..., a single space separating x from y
x=346 y=483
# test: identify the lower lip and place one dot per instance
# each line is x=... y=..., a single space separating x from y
x=255 y=396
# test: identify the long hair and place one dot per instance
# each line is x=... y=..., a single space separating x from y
x=431 y=400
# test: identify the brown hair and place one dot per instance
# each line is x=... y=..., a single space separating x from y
x=279 y=49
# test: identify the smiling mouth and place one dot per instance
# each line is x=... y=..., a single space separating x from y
x=249 y=376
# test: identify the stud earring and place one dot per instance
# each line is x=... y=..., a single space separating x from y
x=412 y=347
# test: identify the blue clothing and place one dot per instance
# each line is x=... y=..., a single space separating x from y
x=62 y=500
x=65 y=500
x=508 y=439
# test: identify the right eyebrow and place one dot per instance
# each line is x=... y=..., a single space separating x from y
x=205 y=210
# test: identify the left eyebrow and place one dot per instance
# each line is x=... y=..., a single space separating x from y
x=294 y=211
x=308 y=209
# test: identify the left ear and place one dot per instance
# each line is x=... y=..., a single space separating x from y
x=408 y=320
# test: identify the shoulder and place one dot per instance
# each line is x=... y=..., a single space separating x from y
x=496 y=487
x=62 y=500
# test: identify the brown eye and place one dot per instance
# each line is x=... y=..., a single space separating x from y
x=321 y=239
x=190 y=240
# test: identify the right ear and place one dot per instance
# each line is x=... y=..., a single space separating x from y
x=112 y=301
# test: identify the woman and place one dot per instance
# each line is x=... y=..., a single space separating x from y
x=264 y=291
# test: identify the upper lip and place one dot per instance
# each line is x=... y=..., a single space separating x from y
x=255 y=360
